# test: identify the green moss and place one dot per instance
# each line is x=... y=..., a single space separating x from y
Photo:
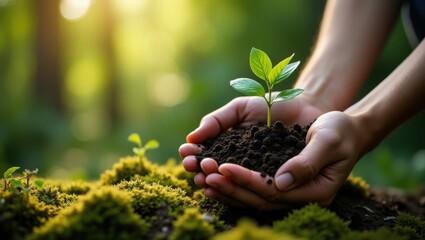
x=76 y=187
x=149 y=197
x=129 y=168
x=209 y=205
x=313 y=222
x=165 y=179
x=20 y=213
x=51 y=195
x=177 y=170
x=105 y=213
x=248 y=230
x=410 y=225
x=192 y=226
x=126 y=169
x=357 y=186
x=72 y=187
x=382 y=233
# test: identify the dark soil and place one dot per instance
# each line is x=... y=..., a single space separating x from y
x=264 y=150
x=260 y=148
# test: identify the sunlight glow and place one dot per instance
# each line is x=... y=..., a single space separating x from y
x=129 y=6
x=169 y=90
x=74 y=9
x=85 y=79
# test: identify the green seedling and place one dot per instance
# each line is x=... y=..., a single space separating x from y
x=22 y=183
x=262 y=67
x=141 y=149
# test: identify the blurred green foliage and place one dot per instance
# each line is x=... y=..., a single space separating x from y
x=153 y=67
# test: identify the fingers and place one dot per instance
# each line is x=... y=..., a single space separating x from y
x=208 y=166
x=187 y=149
x=242 y=110
x=254 y=181
x=321 y=189
x=214 y=123
x=227 y=190
x=302 y=168
x=190 y=164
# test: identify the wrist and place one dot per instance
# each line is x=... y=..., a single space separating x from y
x=370 y=130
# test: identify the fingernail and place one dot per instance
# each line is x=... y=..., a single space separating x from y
x=284 y=181
x=225 y=172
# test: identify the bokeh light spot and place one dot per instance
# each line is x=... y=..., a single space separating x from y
x=168 y=90
x=74 y=9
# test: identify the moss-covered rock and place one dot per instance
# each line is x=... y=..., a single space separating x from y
x=105 y=213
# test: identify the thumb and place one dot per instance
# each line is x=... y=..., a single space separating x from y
x=309 y=162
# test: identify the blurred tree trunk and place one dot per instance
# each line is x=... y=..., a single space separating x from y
x=47 y=83
x=108 y=21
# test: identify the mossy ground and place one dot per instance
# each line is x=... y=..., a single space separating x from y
x=137 y=199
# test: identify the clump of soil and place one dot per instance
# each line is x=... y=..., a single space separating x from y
x=259 y=148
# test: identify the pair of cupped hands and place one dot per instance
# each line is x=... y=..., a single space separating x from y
x=314 y=175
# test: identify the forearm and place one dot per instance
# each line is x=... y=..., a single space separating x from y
x=352 y=34
x=400 y=96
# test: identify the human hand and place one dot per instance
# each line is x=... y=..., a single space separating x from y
x=244 y=111
x=334 y=144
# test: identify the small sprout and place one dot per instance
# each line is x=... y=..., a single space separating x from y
x=261 y=65
x=141 y=149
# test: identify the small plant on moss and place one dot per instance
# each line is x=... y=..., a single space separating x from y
x=16 y=185
x=141 y=149
x=262 y=67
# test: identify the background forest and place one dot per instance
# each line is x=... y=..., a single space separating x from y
x=78 y=76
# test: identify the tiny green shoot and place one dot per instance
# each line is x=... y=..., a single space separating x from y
x=141 y=149
x=16 y=185
x=262 y=67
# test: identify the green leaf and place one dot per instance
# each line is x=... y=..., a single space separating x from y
x=135 y=138
x=17 y=183
x=151 y=144
x=260 y=63
x=289 y=69
x=39 y=183
x=10 y=171
x=277 y=70
x=287 y=94
x=248 y=87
